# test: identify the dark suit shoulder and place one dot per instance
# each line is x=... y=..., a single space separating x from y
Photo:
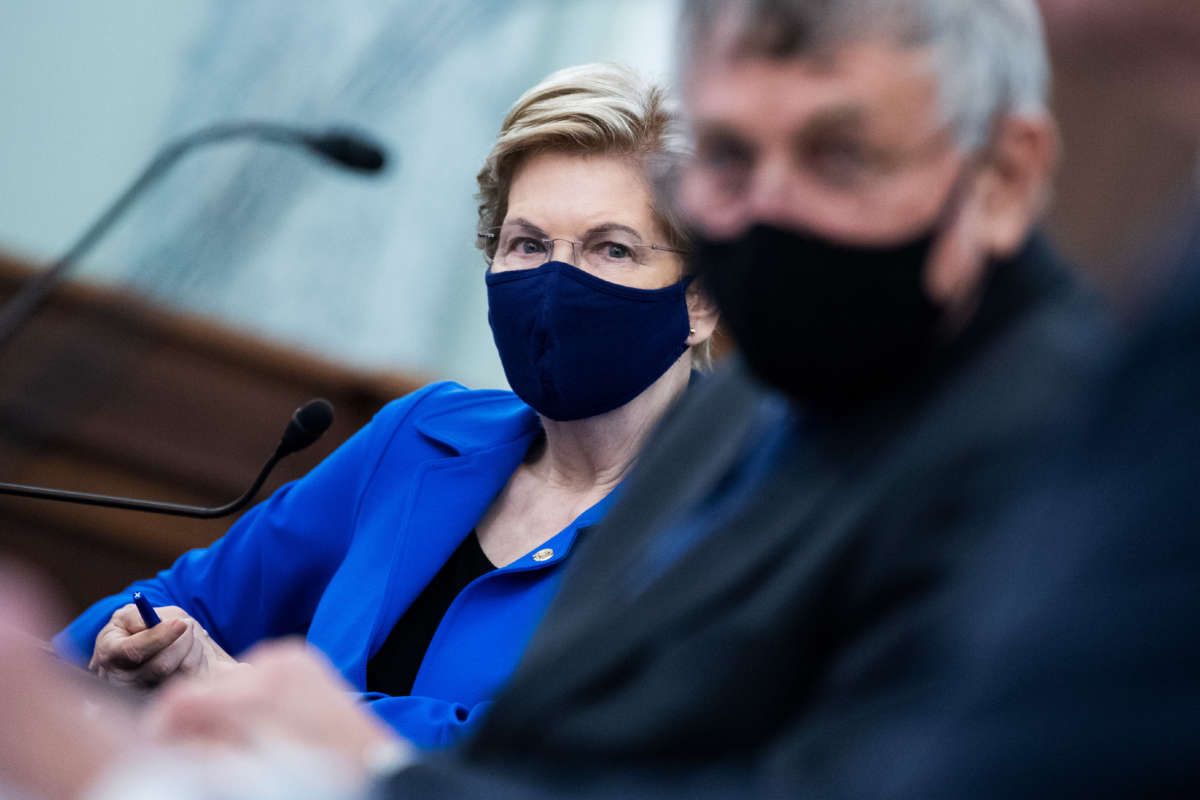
x=1026 y=365
x=697 y=439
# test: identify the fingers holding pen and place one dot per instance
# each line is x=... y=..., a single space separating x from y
x=125 y=645
x=130 y=654
x=178 y=657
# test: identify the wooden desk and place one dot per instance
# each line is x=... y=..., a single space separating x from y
x=104 y=392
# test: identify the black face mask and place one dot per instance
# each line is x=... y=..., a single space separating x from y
x=832 y=325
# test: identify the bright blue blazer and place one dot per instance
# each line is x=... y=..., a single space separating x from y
x=340 y=554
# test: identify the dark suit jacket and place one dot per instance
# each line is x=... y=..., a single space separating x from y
x=805 y=602
x=1075 y=634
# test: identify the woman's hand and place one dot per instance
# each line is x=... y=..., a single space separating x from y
x=128 y=653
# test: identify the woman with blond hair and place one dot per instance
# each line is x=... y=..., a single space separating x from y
x=420 y=556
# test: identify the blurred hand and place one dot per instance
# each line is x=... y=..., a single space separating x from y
x=57 y=733
x=291 y=692
x=128 y=653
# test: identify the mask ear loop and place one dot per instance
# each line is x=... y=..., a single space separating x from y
x=975 y=163
x=956 y=199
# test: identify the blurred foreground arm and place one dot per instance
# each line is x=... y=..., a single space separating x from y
x=289 y=727
x=293 y=694
x=57 y=734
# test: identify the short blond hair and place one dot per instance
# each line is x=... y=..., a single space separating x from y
x=592 y=109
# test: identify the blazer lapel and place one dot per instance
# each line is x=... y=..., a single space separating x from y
x=449 y=498
x=426 y=520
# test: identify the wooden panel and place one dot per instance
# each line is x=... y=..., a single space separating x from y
x=1127 y=180
x=106 y=393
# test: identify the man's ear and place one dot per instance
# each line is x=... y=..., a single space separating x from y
x=1015 y=185
x=702 y=314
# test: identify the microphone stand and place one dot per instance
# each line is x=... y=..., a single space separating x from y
x=307 y=425
x=348 y=150
x=152 y=506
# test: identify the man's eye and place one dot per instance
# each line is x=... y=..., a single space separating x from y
x=723 y=152
x=839 y=160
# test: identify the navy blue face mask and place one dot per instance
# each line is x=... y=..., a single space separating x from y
x=574 y=345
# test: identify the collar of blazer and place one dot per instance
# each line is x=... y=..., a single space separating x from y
x=470 y=421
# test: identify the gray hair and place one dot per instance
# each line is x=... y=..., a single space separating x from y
x=989 y=56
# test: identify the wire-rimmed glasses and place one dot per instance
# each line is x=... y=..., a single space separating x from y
x=519 y=246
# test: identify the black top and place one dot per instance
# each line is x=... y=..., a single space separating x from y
x=393 y=669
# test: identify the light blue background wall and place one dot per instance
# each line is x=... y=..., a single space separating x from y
x=379 y=274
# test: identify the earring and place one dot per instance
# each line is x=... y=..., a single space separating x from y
x=692 y=332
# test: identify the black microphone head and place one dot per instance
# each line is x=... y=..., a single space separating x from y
x=351 y=150
x=306 y=426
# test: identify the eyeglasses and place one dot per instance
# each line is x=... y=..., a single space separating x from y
x=521 y=247
x=725 y=167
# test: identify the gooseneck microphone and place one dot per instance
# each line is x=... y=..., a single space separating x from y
x=346 y=149
x=305 y=427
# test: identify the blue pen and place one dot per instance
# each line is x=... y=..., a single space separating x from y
x=149 y=616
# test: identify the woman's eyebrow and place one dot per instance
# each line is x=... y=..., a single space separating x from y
x=609 y=227
x=524 y=223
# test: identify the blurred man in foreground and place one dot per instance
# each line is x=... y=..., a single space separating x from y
x=1076 y=661
x=754 y=613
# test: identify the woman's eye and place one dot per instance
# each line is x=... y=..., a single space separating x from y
x=611 y=253
x=526 y=246
x=617 y=251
